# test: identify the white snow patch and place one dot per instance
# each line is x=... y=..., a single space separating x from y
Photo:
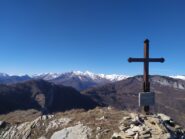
x=179 y=77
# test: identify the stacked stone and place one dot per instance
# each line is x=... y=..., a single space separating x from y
x=151 y=127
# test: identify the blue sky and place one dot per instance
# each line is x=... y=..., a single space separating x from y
x=98 y=35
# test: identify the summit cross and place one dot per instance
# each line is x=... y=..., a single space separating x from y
x=146 y=60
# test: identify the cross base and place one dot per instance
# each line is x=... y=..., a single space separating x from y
x=147 y=110
x=146 y=99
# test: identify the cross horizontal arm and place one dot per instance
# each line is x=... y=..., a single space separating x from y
x=156 y=60
x=146 y=60
x=136 y=60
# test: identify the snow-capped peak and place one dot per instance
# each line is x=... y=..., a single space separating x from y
x=86 y=73
x=3 y=75
x=182 y=77
x=94 y=76
x=46 y=76
x=91 y=75
x=114 y=77
x=83 y=73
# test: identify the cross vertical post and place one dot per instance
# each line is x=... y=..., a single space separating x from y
x=146 y=84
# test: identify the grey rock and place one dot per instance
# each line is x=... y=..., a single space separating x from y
x=42 y=137
x=54 y=124
x=136 y=136
x=76 y=132
x=147 y=131
x=120 y=135
x=123 y=128
x=136 y=129
x=2 y=124
x=164 y=117
x=127 y=118
x=150 y=126
x=23 y=130
x=129 y=132
x=102 y=118
x=98 y=129
x=145 y=136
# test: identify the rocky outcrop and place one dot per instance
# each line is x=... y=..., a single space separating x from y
x=18 y=131
x=151 y=127
x=24 y=130
x=76 y=132
x=99 y=123
x=56 y=123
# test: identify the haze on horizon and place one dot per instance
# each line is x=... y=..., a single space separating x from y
x=99 y=36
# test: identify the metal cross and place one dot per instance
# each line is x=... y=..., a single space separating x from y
x=146 y=60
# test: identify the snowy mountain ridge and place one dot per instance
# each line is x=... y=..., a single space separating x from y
x=182 y=77
x=93 y=76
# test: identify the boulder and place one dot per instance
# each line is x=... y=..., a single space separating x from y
x=164 y=117
x=120 y=135
x=76 y=132
x=2 y=124
x=136 y=129
x=56 y=123
x=129 y=132
x=123 y=128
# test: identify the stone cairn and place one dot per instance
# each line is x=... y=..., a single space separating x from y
x=160 y=126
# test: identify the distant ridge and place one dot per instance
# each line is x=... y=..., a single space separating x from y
x=42 y=96
x=76 y=79
x=170 y=95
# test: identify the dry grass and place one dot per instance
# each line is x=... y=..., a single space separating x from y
x=20 y=116
x=106 y=119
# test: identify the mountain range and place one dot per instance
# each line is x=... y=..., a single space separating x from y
x=50 y=94
x=76 y=79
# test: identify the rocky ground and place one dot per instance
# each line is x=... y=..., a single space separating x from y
x=99 y=123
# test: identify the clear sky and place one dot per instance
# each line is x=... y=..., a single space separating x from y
x=97 y=35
